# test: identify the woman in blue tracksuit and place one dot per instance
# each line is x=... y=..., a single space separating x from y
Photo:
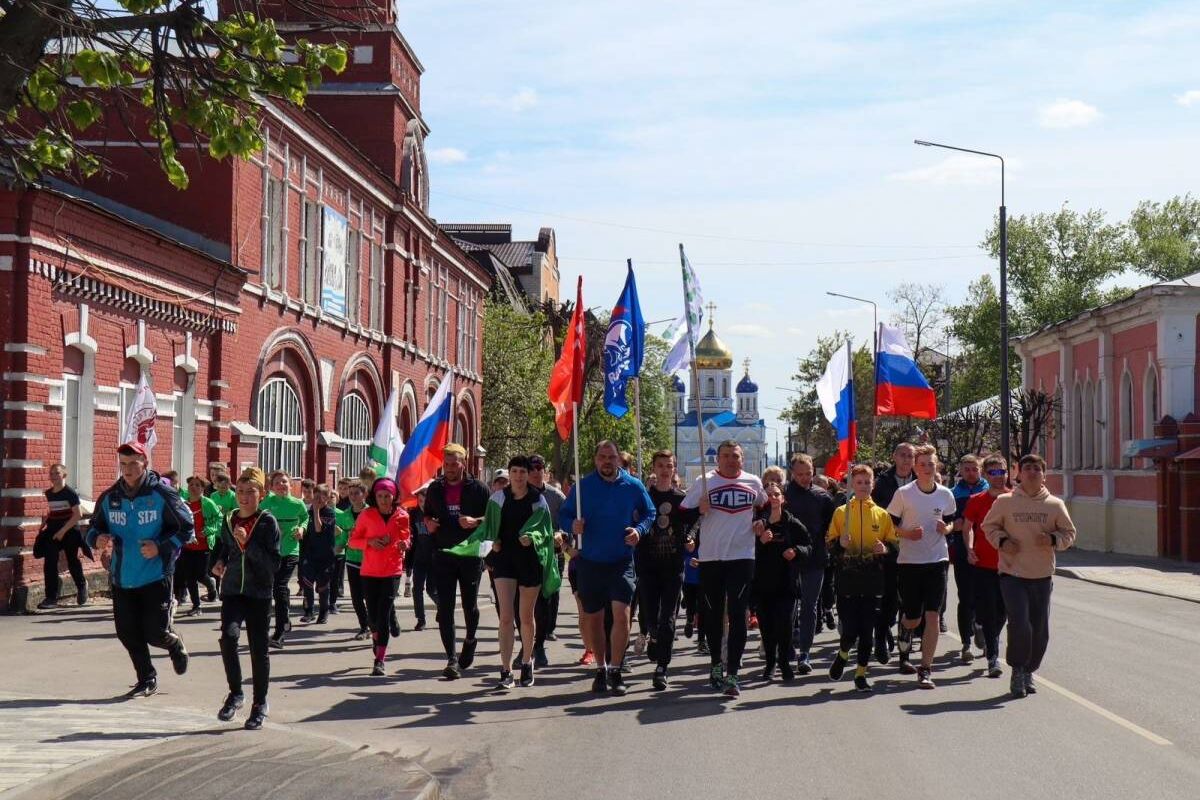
x=147 y=523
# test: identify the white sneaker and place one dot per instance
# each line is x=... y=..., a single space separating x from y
x=639 y=644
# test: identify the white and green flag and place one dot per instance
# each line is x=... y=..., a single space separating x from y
x=387 y=444
x=684 y=332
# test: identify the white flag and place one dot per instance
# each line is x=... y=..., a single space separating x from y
x=387 y=444
x=143 y=413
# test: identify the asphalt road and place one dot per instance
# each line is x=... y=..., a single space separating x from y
x=1118 y=714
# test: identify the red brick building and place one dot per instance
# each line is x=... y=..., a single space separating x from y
x=273 y=305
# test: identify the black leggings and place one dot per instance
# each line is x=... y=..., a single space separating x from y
x=692 y=606
x=989 y=608
x=256 y=614
x=380 y=596
x=726 y=589
x=142 y=616
x=964 y=583
x=454 y=575
x=283 y=575
x=356 y=595
x=858 y=614
x=659 y=582
x=775 y=612
x=69 y=546
x=191 y=570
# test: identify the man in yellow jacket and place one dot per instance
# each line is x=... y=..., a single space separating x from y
x=1028 y=526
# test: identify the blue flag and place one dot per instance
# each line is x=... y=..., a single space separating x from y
x=624 y=346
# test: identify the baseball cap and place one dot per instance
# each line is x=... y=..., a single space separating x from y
x=133 y=449
x=500 y=473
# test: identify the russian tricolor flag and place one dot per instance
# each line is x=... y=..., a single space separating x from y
x=835 y=390
x=901 y=389
x=422 y=455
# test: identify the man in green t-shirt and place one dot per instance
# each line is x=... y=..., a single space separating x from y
x=292 y=516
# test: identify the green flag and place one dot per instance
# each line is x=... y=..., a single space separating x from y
x=387 y=444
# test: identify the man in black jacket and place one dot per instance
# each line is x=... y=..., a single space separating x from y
x=813 y=508
x=886 y=485
x=454 y=506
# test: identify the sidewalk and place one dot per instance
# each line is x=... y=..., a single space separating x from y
x=1160 y=576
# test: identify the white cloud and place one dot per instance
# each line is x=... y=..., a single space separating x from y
x=1189 y=98
x=447 y=155
x=957 y=170
x=750 y=329
x=523 y=100
x=1067 y=114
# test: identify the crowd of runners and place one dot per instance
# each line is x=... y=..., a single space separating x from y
x=787 y=553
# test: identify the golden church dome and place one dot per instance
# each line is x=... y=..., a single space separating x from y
x=711 y=352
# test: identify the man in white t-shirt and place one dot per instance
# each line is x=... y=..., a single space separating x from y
x=726 y=556
x=922 y=512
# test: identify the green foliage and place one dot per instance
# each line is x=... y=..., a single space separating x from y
x=813 y=431
x=1165 y=238
x=975 y=324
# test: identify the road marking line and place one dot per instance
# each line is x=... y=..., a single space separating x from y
x=1150 y=736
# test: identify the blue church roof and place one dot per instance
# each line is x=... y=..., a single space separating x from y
x=745 y=385
x=725 y=419
x=677 y=383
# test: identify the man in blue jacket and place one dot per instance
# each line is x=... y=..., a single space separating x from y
x=147 y=523
x=617 y=513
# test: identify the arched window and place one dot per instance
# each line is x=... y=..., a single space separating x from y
x=354 y=426
x=1126 y=405
x=712 y=387
x=1088 y=423
x=1150 y=401
x=279 y=420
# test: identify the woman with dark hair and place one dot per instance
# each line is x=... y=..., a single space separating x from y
x=382 y=532
x=782 y=546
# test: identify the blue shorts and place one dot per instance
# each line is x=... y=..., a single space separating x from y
x=600 y=583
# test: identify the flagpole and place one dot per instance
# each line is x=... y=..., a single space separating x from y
x=575 y=449
x=637 y=419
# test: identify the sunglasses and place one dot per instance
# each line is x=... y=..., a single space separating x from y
x=996 y=473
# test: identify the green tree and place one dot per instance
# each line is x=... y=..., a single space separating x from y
x=1164 y=240
x=804 y=412
x=162 y=67
x=517 y=417
x=975 y=324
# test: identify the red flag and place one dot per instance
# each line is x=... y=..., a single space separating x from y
x=566 y=379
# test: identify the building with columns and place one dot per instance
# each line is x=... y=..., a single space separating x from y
x=1120 y=371
x=725 y=410
x=273 y=306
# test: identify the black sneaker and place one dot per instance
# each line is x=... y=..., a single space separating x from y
x=1030 y=686
x=143 y=688
x=506 y=681
x=616 y=682
x=803 y=665
x=467 y=656
x=323 y=618
x=47 y=604
x=600 y=682
x=716 y=676
x=377 y=669
x=702 y=645
x=420 y=626
x=660 y=679
x=81 y=595
x=786 y=672
x=861 y=684
x=651 y=650
x=527 y=675
x=363 y=633
x=232 y=703
x=179 y=658
x=210 y=596
x=882 y=655
x=906 y=667
x=829 y=622
x=837 y=667
x=258 y=715
x=194 y=611
x=993 y=668
x=307 y=618
x=452 y=672
x=394 y=626
x=551 y=637
x=966 y=656
x=539 y=658
x=924 y=680
x=1016 y=684
x=275 y=642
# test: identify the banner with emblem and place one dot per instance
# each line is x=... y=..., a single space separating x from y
x=624 y=347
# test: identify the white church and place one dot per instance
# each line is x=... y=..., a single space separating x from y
x=725 y=415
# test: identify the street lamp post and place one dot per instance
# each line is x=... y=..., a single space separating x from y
x=874 y=353
x=1004 y=388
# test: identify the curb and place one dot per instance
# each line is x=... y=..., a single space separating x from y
x=1068 y=572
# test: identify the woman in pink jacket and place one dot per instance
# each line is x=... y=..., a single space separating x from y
x=382 y=533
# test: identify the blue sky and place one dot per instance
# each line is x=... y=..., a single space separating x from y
x=774 y=139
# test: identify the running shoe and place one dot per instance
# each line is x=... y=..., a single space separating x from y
x=639 y=644
x=466 y=656
x=179 y=657
x=394 y=624
x=924 y=680
x=551 y=637
x=861 y=684
x=46 y=605
x=660 y=678
x=323 y=618
x=143 y=688
x=786 y=672
x=452 y=672
x=233 y=702
x=993 y=668
x=803 y=665
x=652 y=649
x=906 y=667
x=420 y=626
x=258 y=715
x=1030 y=686
x=616 y=682
x=539 y=658
x=716 y=676
x=600 y=682
x=881 y=650
x=377 y=669
x=587 y=659
x=731 y=687
x=276 y=642
x=966 y=656
x=210 y=596
x=837 y=667
x=362 y=634
x=527 y=674
x=307 y=618
x=1016 y=684
x=506 y=681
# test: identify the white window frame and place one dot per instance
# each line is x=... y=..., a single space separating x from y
x=183 y=430
x=282 y=445
x=1126 y=419
x=311 y=252
x=274 y=241
x=356 y=430
x=376 y=286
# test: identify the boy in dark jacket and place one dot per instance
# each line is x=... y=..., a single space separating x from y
x=781 y=549
x=246 y=557
x=318 y=558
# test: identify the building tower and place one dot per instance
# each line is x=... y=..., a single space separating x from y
x=747 y=397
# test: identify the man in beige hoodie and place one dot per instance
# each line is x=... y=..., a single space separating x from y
x=1027 y=526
